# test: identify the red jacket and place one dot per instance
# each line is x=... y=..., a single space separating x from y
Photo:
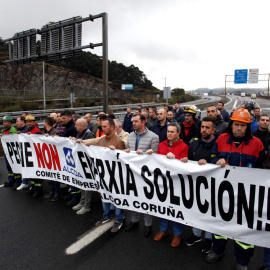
x=179 y=149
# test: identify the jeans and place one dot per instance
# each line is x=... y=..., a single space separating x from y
x=266 y=259
x=198 y=233
x=119 y=213
x=55 y=187
x=164 y=225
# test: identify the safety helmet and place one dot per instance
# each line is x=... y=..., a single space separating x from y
x=7 y=118
x=241 y=115
x=190 y=109
x=30 y=117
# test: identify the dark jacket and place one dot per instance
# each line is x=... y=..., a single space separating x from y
x=264 y=136
x=51 y=132
x=85 y=135
x=199 y=149
x=225 y=116
x=161 y=131
x=178 y=113
x=194 y=132
x=23 y=129
x=221 y=126
x=127 y=125
x=152 y=121
x=70 y=130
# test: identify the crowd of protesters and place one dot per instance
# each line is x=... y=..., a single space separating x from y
x=240 y=139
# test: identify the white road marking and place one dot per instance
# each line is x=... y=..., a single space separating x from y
x=1 y=186
x=87 y=238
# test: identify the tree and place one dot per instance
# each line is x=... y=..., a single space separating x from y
x=178 y=91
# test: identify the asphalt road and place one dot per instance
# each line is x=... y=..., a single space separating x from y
x=36 y=233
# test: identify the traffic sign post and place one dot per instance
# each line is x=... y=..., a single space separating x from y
x=240 y=76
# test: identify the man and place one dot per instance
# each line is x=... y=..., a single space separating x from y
x=233 y=110
x=254 y=121
x=13 y=179
x=21 y=126
x=152 y=115
x=257 y=112
x=147 y=124
x=141 y=140
x=120 y=132
x=100 y=119
x=49 y=129
x=160 y=127
x=67 y=119
x=224 y=113
x=170 y=117
x=221 y=125
x=96 y=126
x=60 y=124
x=201 y=151
x=36 y=184
x=55 y=120
x=81 y=205
x=89 y=119
x=111 y=114
x=177 y=110
x=127 y=124
x=226 y=152
x=262 y=132
x=173 y=147
x=113 y=142
x=190 y=127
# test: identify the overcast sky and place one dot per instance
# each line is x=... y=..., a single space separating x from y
x=191 y=43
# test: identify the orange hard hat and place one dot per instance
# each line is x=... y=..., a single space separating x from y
x=241 y=115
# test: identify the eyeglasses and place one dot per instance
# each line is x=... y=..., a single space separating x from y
x=187 y=114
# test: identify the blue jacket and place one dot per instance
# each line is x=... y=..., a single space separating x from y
x=127 y=125
x=70 y=129
x=161 y=131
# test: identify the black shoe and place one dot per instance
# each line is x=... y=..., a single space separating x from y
x=15 y=186
x=8 y=184
x=71 y=203
x=37 y=194
x=147 y=231
x=207 y=246
x=67 y=198
x=55 y=198
x=50 y=195
x=131 y=226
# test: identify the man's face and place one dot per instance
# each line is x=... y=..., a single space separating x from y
x=88 y=118
x=137 y=111
x=54 y=116
x=188 y=118
x=19 y=123
x=166 y=108
x=151 y=113
x=98 y=122
x=172 y=134
x=212 y=112
x=137 y=123
x=128 y=111
x=6 y=124
x=107 y=129
x=263 y=123
x=78 y=126
x=170 y=116
x=66 y=119
x=220 y=106
x=59 y=118
x=207 y=130
x=239 y=129
x=30 y=123
x=162 y=114
x=176 y=106
x=257 y=112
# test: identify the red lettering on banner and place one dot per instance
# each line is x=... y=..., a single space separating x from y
x=47 y=156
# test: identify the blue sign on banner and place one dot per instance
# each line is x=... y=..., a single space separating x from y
x=240 y=76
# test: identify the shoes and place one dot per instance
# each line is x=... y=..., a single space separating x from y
x=213 y=257
x=22 y=186
x=37 y=194
x=77 y=207
x=82 y=211
x=67 y=198
x=176 y=241
x=102 y=221
x=55 y=198
x=30 y=191
x=71 y=203
x=15 y=186
x=240 y=267
x=50 y=195
x=131 y=226
x=8 y=184
x=116 y=226
x=192 y=240
x=159 y=236
x=147 y=231
x=207 y=246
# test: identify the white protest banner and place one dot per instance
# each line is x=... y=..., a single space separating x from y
x=231 y=201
